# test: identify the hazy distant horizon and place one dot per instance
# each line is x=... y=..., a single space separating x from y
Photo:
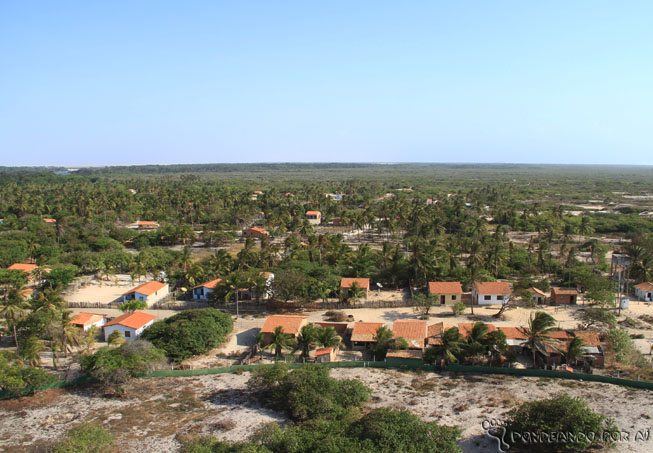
x=129 y=83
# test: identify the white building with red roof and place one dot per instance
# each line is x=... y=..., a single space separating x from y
x=130 y=325
x=491 y=293
x=313 y=217
x=202 y=291
x=87 y=320
x=149 y=292
x=644 y=291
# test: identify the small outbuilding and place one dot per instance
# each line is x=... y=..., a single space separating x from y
x=147 y=292
x=130 y=325
x=87 y=320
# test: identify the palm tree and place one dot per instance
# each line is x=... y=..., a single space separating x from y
x=306 y=339
x=575 y=350
x=31 y=349
x=382 y=341
x=451 y=346
x=537 y=333
x=354 y=293
x=328 y=337
x=90 y=337
x=13 y=308
x=279 y=341
x=476 y=339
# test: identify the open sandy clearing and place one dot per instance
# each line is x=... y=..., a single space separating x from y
x=159 y=409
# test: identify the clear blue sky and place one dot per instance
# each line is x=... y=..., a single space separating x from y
x=133 y=82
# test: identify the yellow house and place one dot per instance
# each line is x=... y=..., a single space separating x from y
x=447 y=293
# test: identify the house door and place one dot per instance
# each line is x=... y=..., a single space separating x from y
x=441 y=300
x=572 y=299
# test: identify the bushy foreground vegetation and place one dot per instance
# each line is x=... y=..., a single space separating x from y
x=114 y=366
x=327 y=418
x=189 y=333
x=16 y=378
x=85 y=439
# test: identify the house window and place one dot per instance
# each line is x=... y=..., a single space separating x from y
x=453 y=297
x=487 y=297
x=499 y=297
x=127 y=334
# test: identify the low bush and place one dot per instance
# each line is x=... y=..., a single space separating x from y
x=189 y=333
x=18 y=379
x=85 y=439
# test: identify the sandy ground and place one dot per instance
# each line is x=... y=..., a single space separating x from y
x=159 y=410
x=103 y=291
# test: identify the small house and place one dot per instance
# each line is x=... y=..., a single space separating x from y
x=255 y=232
x=538 y=296
x=347 y=283
x=130 y=325
x=434 y=333
x=50 y=221
x=324 y=355
x=147 y=292
x=313 y=217
x=414 y=331
x=87 y=320
x=491 y=293
x=644 y=291
x=202 y=291
x=515 y=338
x=364 y=333
x=591 y=346
x=564 y=296
x=144 y=225
x=290 y=325
x=447 y=293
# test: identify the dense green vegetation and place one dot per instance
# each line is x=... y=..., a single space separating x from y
x=85 y=439
x=114 y=366
x=189 y=333
x=326 y=419
x=560 y=414
x=16 y=378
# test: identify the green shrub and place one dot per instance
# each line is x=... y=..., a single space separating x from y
x=113 y=366
x=458 y=309
x=189 y=333
x=620 y=342
x=307 y=392
x=18 y=379
x=560 y=414
x=85 y=439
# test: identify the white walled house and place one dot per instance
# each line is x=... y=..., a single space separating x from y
x=644 y=291
x=147 y=292
x=87 y=320
x=130 y=325
x=202 y=291
x=313 y=217
x=491 y=293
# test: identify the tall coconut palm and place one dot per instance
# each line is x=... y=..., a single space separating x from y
x=31 y=349
x=451 y=345
x=575 y=350
x=328 y=337
x=476 y=339
x=306 y=339
x=537 y=333
x=382 y=342
x=279 y=341
x=89 y=338
x=13 y=308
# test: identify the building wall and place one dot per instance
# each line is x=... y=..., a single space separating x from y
x=646 y=296
x=202 y=293
x=563 y=299
x=314 y=219
x=494 y=299
x=133 y=333
x=449 y=299
x=151 y=299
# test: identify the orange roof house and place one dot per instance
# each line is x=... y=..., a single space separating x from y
x=347 y=283
x=488 y=293
x=414 y=331
x=210 y=284
x=22 y=267
x=290 y=325
x=50 y=220
x=313 y=217
x=434 y=333
x=86 y=320
x=255 y=232
x=130 y=325
x=465 y=328
x=202 y=291
x=448 y=293
x=147 y=292
x=564 y=296
x=644 y=291
x=364 y=332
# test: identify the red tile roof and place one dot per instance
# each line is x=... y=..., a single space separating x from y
x=146 y=223
x=362 y=282
x=492 y=288
x=86 y=319
x=148 y=288
x=210 y=284
x=365 y=331
x=258 y=230
x=465 y=328
x=411 y=330
x=513 y=333
x=559 y=335
x=323 y=351
x=134 y=320
x=589 y=338
x=339 y=327
x=445 y=288
x=564 y=291
x=437 y=329
x=289 y=324
x=22 y=267
x=534 y=290
x=50 y=220
x=313 y=213
x=646 y=286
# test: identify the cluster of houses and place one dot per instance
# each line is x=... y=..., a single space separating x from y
x=419 y=335
x=130 y=325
